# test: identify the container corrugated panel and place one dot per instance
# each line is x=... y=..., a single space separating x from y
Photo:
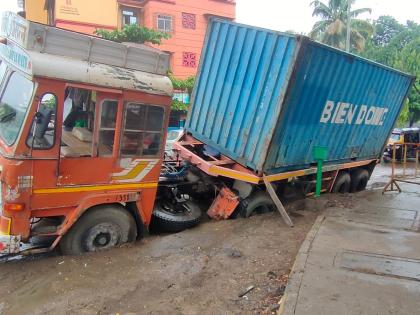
x=265 y=99
x=242 y=78
x=339 y=101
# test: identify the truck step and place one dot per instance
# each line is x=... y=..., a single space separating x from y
x=45 y=226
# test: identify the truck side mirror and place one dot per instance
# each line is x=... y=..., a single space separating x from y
x=42 y=132
x=42 y=118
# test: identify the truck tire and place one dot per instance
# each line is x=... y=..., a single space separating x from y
x=100 y=228
x=342 y=183
x=176 y=217
x=259 y=202
x=359 y=180
x=386 y=159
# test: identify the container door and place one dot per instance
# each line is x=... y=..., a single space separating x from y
x=88 y=145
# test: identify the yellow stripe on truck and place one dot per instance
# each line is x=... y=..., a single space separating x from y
x=93 y=188
x=235 y=174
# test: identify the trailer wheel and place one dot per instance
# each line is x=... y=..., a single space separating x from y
x=177 y=217
x=342 y=183
x=386 y=159
x=100 y=228
x=359 y=180
x=258 y=203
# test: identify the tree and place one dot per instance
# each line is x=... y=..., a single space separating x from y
x=332 y=28
x=134 y=33
x=386 y=28
x=398 y=46
x=183 y=85
x=409 y=61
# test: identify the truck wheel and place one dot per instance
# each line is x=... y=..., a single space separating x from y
x=359 y=180
x=258 y=203
x=99 y=229
x=386 y=159
x=342 y=183
x=177 y=217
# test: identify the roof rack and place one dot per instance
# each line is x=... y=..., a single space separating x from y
x=56 y=41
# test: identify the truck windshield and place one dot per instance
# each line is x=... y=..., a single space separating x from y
x=395 y=136
x=13 y=106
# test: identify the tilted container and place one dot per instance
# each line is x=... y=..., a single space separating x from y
x=266 y=99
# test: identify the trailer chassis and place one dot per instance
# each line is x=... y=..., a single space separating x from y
x=223 y=167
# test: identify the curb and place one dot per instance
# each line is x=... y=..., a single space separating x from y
x=290 y=298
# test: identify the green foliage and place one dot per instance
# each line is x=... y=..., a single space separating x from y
x=398 y=46
x=386 y=28
x=178 y=105
x=135 y=34
x=332 y=28
x=182 y=85
x=404 y=116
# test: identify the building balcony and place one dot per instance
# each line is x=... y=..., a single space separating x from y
x=132 y=3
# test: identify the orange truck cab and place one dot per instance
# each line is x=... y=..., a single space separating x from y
x=82 y=130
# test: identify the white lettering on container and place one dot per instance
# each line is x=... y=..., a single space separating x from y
x=346 y=113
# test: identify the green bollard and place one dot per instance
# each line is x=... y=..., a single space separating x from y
x=320 y=154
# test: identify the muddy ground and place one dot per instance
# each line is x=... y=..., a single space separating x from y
x=199 y=271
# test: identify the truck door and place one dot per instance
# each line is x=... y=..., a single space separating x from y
x=89 y=139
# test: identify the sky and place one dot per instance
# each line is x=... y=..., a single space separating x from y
x=296 y=15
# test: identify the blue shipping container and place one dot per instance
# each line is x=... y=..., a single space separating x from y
x=265 y=99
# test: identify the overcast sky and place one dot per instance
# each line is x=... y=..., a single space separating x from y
x=296 y=15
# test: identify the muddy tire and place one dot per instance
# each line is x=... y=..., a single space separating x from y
x=100 y=228
x=258 y=203
x=342 y=183
x=386 y=159
x=359 y=180
x=176 y=218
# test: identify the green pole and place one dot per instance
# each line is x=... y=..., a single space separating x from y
x=320 y=154
x=318 y=178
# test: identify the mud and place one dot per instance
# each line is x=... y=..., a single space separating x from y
x=203 y=270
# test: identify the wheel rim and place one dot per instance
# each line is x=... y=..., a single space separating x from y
x=176 y=209
x=101 y=237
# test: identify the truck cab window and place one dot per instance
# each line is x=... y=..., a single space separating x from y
x=142 y=134
x=107 y=127
x=42 y=133
x=78 y=123
x=13 y=106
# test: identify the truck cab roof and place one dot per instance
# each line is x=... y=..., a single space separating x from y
x=62 y=54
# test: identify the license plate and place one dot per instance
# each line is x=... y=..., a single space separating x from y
x=9 y=244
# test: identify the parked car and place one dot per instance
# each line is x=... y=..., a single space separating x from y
x=400 y=137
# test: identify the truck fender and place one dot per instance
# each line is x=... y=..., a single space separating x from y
x=95 y=200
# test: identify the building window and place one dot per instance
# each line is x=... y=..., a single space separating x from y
x=189 y=59
x=164 y=23
x=129 y=17
x=188 y=20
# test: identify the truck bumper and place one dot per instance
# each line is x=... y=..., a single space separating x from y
x=9 y=244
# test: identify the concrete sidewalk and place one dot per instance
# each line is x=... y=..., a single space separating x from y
x=362 y=257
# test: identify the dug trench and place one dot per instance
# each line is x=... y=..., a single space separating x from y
x=204 y=270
